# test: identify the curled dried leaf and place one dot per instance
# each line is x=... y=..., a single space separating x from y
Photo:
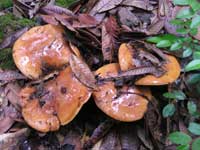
x=53 y=9
x=49 y=19
x=104 y=5
x=10 y=75
x=143 y=4
x=109 y=34
x=98 y=133
x=82 y=72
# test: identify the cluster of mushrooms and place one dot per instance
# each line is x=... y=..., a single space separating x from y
x=57 y=101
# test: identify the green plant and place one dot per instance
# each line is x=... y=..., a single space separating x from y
x=5 y=4
x=184 y=42
x=64 y=3
x=187 y=23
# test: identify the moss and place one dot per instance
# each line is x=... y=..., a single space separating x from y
x=64 y=3
x=5 y=4
x=9 y=23
x=6 y=60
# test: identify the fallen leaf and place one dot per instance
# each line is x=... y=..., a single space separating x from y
x=82 y=72
x=53 y=9
x=111 y=140
x=104 y=5
x=49 y=19
x=10 y=39
x=10 y=75
x=12 y=140
x=12 y=94
x=144 y=138
x=28 y=8
x=98 y=133
x=109 y=34
x=127 y=17
x=155 y=27
x=85 y=21
x=143 y=4
x=128 y=137
x=8 y=114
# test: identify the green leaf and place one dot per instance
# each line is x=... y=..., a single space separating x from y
x=195 y=22
x=168 y=110
x=193 y=31
x=192 y=107
x=187 y=52
x=154 y=39
x=196 y=144
x=179 y=95
x=180 y=138
x=196 y=55
x=193 y=79
x=196 y=46
x=185 y=13
x=183 y=147
x=193 y=65
x=194 y=128
x=176 y=46
x=180 y=2
x=195 y=5
x=163 y=43
x=182 y=30
x=176 y=22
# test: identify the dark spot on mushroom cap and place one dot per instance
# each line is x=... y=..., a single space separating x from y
x=63 y=90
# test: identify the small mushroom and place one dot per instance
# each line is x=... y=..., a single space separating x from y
x=172 y=68
x=126 y=104
x=125 y=57
x=54 y=103
x=40 y=49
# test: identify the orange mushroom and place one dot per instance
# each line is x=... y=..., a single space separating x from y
x=56 y=103
x=39 y=49
x=171 y=66
x=128 y=104
x=125 y=57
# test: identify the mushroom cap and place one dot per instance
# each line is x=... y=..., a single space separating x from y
x=127 y=106
x=125 y=57
x=39 y=49
x=62 y=98
x=172 y=73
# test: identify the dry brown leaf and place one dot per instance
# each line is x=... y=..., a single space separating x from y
x=53 y=9
x=85 y=21
x=82 y=72
x=155 y=27
x=104 y=5
x=111 y=141
x=109 y=34
x=127 y=17
x=12 y=140
x=49 y=19
x=8 y=115
x=143 y=4
x=10 y=75
x=128 y=137
x=28 y=8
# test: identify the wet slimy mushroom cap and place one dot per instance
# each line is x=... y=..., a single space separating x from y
x=41 y=49
x=124 y=105
x=55 y=103
x=172 y=68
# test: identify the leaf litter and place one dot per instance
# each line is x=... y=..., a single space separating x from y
x=96 y=28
